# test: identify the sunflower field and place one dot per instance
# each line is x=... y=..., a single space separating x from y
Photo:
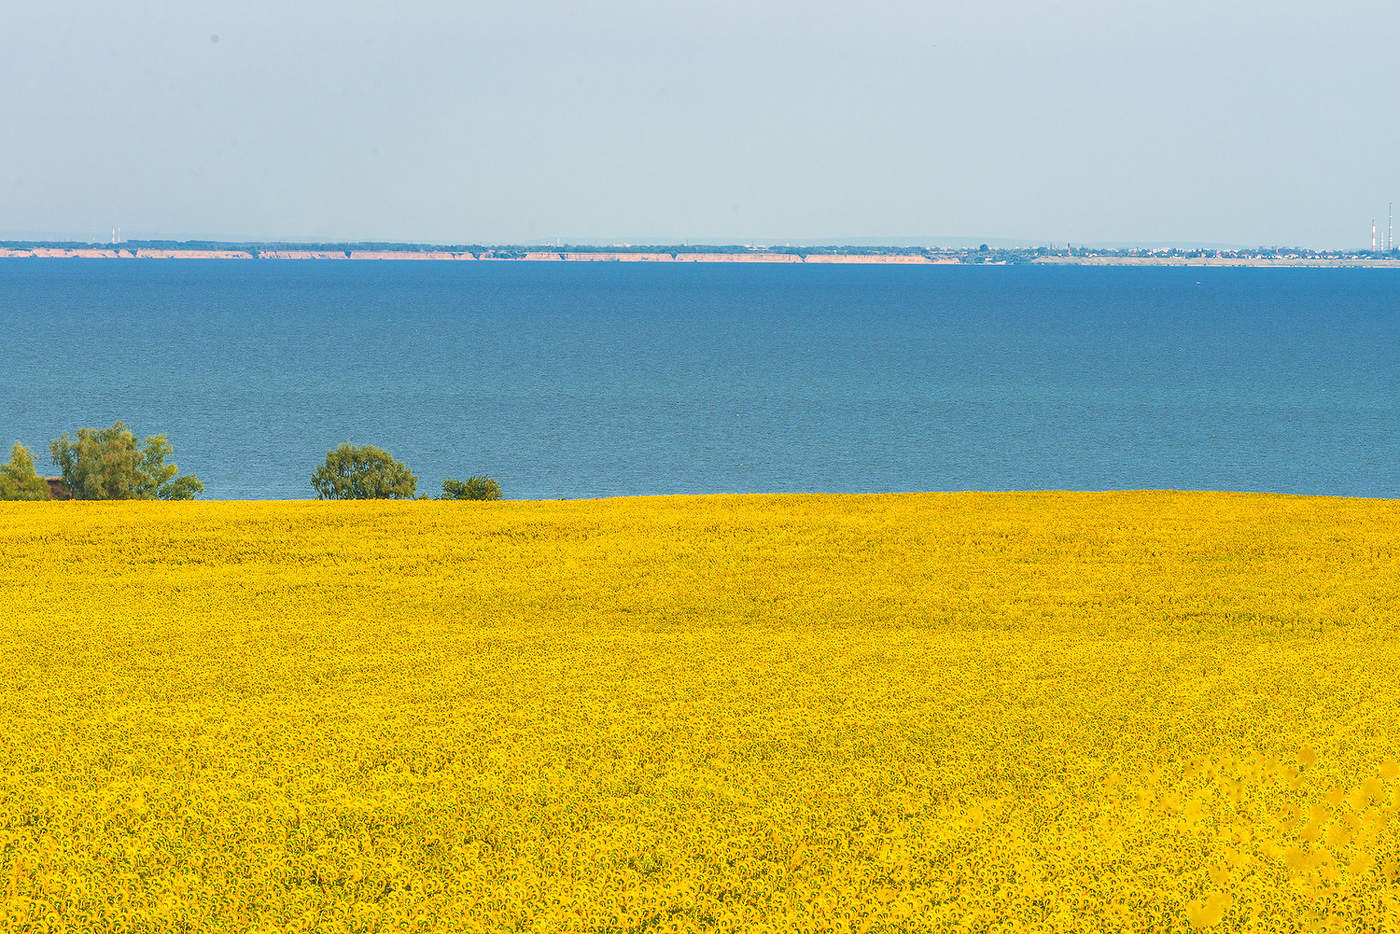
x=926 y=712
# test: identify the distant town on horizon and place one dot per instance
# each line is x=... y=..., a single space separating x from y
x=1384 y=253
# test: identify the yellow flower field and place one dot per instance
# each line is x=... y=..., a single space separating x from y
x=933 y=712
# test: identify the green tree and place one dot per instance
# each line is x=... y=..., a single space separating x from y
x=18 y=479
x=482 y=487
x=362 y=472
x=109 y=463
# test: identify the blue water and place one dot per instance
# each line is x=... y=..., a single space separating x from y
x=574 y=380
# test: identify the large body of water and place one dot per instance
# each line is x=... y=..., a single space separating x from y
x=579 y=380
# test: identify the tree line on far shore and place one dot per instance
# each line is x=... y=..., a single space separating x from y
x=111 y=463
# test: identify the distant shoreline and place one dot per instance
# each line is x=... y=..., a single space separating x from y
x=790 y=256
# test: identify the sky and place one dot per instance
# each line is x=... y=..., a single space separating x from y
x=730 y=121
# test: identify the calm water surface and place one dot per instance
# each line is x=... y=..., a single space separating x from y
x=574 y=380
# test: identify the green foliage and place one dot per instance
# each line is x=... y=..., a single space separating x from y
x=18 y=479
x=481 y=487
x=109 y=463
x=362 y=472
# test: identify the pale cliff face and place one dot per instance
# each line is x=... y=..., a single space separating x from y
x=409 y=255
x=189 y=254
x=59 y=253
x=738 y=258
x=616 y=257
x=303 y=254
x=93 y=253
x=899 y=259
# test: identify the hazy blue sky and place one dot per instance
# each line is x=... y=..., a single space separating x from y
x=730 y=120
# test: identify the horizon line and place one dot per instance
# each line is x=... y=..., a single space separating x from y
x=861 y=243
